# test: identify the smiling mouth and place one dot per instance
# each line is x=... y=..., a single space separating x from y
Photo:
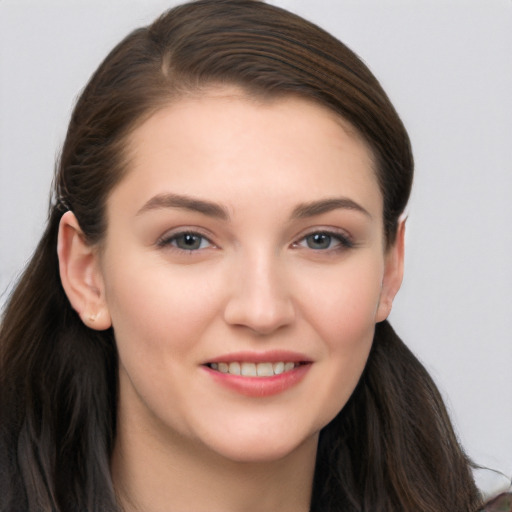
x=246 y=369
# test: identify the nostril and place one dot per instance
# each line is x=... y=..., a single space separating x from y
x=264 y=317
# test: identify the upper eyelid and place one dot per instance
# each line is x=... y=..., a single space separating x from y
x=185 y=230
x=168 y=236
x=344 y=241
x=195 y=230
x=332 y=231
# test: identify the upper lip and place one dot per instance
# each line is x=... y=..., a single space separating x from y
x=272 y=356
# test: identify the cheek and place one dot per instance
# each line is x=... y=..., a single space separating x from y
x=342 y=305
x=351 y=324
x=157 y=311
x=159 y=318
x=342 y=311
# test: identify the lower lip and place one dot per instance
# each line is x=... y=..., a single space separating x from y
x=260 y=386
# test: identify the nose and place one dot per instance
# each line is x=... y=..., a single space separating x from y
x=260 y=297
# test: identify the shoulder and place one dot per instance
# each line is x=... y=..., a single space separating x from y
x=502 y=503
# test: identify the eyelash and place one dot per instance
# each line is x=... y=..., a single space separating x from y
x=170 y=241
x=343 y=242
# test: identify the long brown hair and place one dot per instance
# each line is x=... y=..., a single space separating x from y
x=391 y=448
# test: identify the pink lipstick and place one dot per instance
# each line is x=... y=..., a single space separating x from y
x=258 y=374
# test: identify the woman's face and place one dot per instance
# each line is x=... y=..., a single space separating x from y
x=246 y=238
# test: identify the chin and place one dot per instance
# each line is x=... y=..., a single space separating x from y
x=263 y=448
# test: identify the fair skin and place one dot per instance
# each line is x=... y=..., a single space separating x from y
x=245 y=232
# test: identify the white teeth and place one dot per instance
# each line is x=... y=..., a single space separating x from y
x=234 y=368
x=289 y=366
x=248 y=369
x=278 y=368
x=253 y=369
x=264 y=369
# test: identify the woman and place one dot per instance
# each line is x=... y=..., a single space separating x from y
x=203 y=325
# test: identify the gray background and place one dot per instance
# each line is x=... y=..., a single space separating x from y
x=446 y=66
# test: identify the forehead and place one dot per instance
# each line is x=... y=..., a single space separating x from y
x=285 y=147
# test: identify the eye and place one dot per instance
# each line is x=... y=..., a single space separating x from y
x=324 y=240
x=186 y=241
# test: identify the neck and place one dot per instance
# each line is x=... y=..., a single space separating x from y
x=179 y=475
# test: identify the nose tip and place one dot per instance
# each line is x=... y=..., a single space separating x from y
x=260 y=301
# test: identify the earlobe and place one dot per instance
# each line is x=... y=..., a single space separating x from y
x=393 y=274
x=80 y=274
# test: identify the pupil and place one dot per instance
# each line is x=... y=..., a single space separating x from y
x=191 y=241
x=319 y=241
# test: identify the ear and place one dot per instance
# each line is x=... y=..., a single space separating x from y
x=393 y=273
x=81 y=275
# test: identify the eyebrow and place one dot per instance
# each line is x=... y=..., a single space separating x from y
x=211 y=209
x=326 y=205
x=187 y=203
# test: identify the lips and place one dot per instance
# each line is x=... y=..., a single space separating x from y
x=259 y=374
